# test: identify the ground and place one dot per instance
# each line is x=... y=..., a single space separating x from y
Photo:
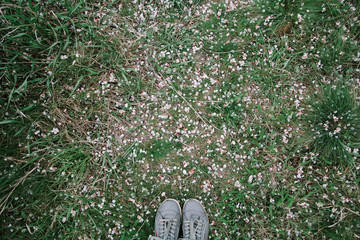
x=110 y=107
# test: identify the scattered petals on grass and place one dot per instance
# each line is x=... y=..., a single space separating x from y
x=112 y=108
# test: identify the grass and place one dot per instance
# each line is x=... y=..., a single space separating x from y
x=108 y=108
x=334 y=125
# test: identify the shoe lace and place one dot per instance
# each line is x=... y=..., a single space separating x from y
x=193 y=229
x=167 y=230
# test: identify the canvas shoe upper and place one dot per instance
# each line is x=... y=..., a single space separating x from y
x=195 y=221
x=167 y=221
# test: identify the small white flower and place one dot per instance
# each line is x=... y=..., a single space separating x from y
x=161 y=84
x=318 y=64
x=140 y=218
x=167 y=106
x=300 y=18
x=55 y=130
x=112 y=78
x=250 y=179
x=337 y=130
x=237 y=184
x=73 y=213
x=304 y=205
x=63 y=57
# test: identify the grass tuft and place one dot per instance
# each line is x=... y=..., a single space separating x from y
x=333 y=124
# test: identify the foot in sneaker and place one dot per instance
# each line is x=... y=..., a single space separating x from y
x=167 y=221
x=195 y=221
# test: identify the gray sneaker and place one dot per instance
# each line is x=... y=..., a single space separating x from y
x=195 y=221
x=167 y=221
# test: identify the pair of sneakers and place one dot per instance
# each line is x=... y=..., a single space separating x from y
x=195 y=221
